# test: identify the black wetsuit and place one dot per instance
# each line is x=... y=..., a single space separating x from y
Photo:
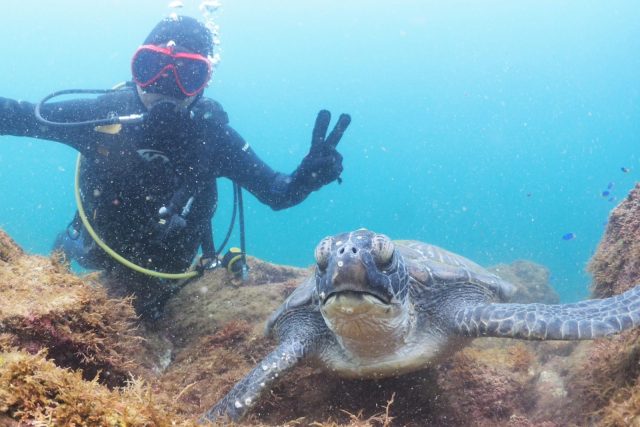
x=127 y=176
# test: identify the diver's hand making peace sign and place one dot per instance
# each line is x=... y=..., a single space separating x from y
x=323 y=164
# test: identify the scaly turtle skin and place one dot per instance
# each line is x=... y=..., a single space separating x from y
x=379 y=308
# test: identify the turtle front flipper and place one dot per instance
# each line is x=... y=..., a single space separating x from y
x=579 y=321
x=245 y=393
x=300 y=333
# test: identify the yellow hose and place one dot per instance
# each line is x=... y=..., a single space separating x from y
x=111 y=252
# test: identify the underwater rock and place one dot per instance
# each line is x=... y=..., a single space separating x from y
x=605 y=379
x=64 y=344
x=531 y=281
x=34 y=391
x=498 y=382
x=9 y=250
x=204 y=306
x=616 y=264
x=45 y=307
x=488 y=386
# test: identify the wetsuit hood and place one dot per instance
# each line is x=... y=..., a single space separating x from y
x=185 y=31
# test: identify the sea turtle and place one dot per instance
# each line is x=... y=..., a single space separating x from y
x=378 y=308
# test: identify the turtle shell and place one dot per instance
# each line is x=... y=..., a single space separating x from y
x=429 y=264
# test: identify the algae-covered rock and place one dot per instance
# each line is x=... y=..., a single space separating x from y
x=9 y=250
x=605 y=380
x=616 y=264
x=44 y=306
x=207 y=304
x=531 y=281
x=34 y=391
x=489 y=385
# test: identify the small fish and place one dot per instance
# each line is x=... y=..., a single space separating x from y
x=612 y=199
x=610 y=186
x=569 y=236
x=625 y=170
x=529 y=194
x=606 y=193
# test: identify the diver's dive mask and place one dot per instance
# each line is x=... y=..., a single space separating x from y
x=151 y=63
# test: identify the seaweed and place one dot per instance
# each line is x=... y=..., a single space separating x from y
x=34 y=390
x=45 y=307
x=605 y=385
x=616 y=264
x=490 y=385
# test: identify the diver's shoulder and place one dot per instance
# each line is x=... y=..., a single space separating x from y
x=211 y=111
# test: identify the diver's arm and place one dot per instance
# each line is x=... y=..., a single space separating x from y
x=322 y=165
x=230 y=156
x=18 y=118
x=242 y=165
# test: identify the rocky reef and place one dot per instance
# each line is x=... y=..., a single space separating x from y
x=68 y=354
x=531 y=281
x=72 y=355
x=607 y=378
x=616 y=264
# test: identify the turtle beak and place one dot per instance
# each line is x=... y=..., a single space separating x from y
x=349 y=276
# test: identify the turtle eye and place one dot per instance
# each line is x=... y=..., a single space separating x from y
x=323 y=250
x=382 y=250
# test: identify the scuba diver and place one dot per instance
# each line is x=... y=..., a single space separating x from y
x=151 y=153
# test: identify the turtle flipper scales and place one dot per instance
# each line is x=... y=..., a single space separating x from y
x=578 y=321
x=301 y=333
x=235 y=404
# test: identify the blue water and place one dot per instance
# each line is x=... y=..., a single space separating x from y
x=489 y=128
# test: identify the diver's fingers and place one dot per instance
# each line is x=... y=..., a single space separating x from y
x=320 y=128
x=336 y=134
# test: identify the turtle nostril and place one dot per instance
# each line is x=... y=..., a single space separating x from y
x=347 y=248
